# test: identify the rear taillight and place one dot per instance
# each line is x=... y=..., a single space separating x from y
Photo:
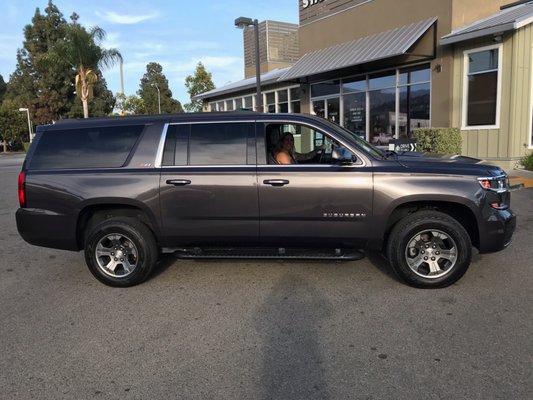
x=22 y=189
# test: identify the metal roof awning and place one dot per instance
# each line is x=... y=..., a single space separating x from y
x=508 y=19
x=395 y=42
x=244 y=84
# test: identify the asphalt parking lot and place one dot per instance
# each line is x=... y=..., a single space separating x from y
x=262 y=330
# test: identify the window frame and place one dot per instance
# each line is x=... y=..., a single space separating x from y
x=163 y=139
x=465 y=94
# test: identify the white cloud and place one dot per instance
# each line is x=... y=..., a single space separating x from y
x=126 y=19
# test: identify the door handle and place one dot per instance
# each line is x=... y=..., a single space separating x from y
x=276 y=182
x=178 y=182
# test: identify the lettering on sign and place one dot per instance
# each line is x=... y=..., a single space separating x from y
x=308 y=3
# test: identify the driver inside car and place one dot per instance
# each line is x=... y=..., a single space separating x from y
x=285 y=154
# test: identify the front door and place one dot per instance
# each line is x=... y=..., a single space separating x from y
x=208 y=184
x=321 y=198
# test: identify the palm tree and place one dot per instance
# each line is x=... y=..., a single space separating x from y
x=81 y=50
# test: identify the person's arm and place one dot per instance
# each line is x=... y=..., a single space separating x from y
x=307 y=156
x=283 y=158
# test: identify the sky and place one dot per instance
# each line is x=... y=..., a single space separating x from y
x=176 y=34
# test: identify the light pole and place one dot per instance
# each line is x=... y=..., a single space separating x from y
x=241 y=23
x=30 y=130
x=158 y=97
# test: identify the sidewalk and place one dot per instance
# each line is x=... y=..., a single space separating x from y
x=517 y=176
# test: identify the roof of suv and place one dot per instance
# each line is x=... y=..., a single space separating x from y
x=164 y=118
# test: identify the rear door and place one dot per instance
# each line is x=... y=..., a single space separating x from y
x=317 y=201
x=208 y=183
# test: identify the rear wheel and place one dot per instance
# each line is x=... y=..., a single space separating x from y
x=121 y=252
x=429 y=249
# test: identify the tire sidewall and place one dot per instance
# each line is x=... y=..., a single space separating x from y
x=451 y=228
x=145 y=258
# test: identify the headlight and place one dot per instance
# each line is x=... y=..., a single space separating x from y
x=498 y=184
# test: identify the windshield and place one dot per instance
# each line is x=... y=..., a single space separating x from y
x=361 y=143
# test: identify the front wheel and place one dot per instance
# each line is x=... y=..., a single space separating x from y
x=121 y=252
x=429 y=249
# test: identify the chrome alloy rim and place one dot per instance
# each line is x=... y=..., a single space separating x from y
x=431 y=254
x=116 y=255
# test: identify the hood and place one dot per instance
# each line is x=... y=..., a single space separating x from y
x=448 y=164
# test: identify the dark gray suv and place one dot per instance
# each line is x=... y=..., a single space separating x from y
x=210 y=185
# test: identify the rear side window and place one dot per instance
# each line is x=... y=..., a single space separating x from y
x=176 y=145
x=219 y=144
x=106 y=147
x=209 y=144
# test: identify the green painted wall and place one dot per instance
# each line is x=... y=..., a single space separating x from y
x=506 y=144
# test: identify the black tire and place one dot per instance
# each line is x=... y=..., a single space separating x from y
x=142 y=238
x=417 y=222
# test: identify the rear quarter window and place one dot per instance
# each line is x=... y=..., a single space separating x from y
x=100 y=147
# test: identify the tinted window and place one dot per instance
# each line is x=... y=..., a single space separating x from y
x=85 y=148
x=219 y=144
x=176 y=145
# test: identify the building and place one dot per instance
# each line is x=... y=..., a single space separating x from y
x=278 y=49
x=381 y=68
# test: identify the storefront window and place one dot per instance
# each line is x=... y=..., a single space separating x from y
x=382 y=80
x=283 y=101
x=414 y=108
x=481 y=84
x=355 y=113
x=319 y=108
x=229 y=105
x=270 y=102
x=414 y=99
x=238 y=103
x=354 y=85
x=220 y=106
x=382 y=116
x=334 y=110
x=248 y=103
x=295 y=100
x=325 y=89
x=417 y=74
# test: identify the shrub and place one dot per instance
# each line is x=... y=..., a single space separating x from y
x=527 y=162
x=438 y=140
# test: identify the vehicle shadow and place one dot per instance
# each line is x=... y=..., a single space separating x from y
x=165 y=262
x=382 y=265
x=289 y=322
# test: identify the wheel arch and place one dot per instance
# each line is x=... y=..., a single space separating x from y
x=458 y=210
x=97 y=211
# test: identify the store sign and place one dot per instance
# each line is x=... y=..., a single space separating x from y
x=308 y=3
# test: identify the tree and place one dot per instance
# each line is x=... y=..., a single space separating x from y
x=13 y=125
x=80 y=49
x=130 y=105
x=3 y=87
x=101 y=104
x=200 y=82
x=152 y=80
x=46 y=90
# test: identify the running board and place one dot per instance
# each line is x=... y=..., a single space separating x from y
x=269 y=254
